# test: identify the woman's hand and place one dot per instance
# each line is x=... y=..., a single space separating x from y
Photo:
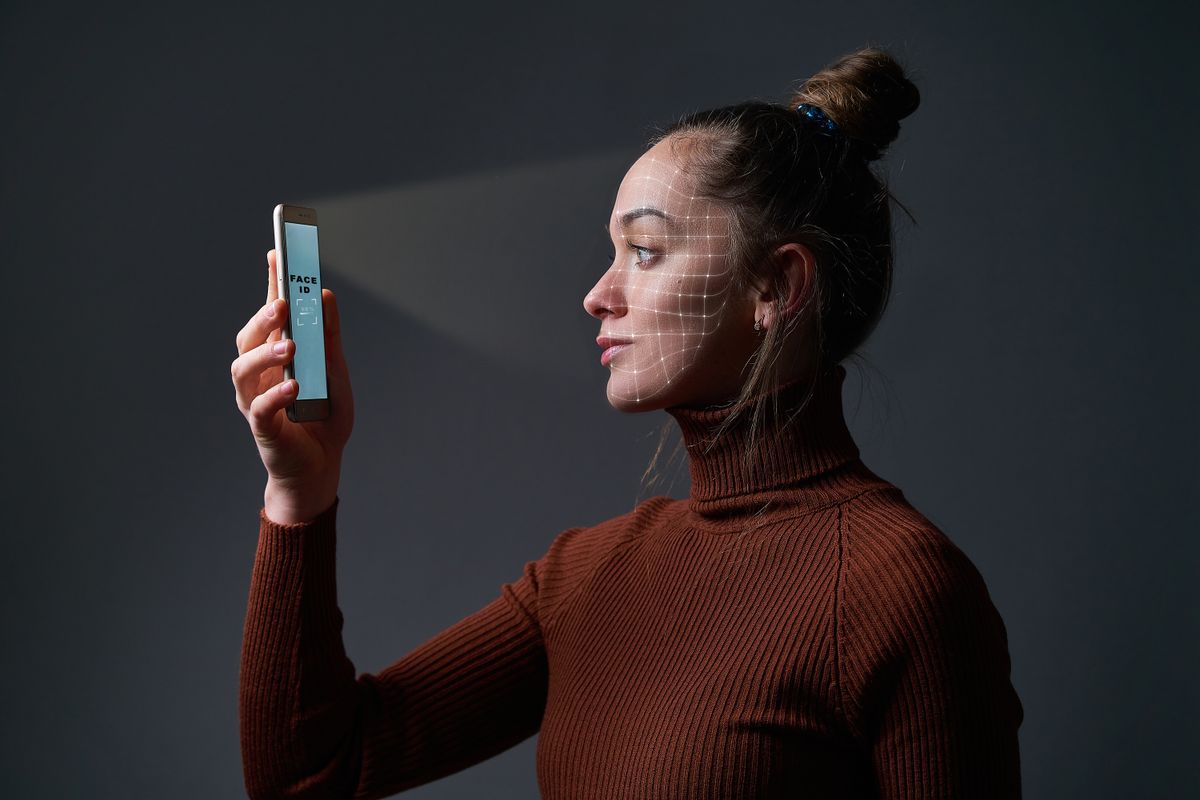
x=303 y=459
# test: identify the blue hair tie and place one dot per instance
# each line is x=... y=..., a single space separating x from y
x=819 y=117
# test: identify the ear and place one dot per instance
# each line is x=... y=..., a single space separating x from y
x=795 y=271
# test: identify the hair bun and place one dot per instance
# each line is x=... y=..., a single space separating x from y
x=867 y=94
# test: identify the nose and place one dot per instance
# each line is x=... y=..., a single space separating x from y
x=605 y=299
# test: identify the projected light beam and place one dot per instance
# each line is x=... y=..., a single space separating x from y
x=498 y=261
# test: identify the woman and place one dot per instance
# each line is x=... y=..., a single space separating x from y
x=793 y=628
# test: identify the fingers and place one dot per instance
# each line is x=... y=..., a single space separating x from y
x=335 y=359
x=272 y=281
x=248 y=368
x=266 y=320
x=335 y=356
x=333 y=322
x=261 y=348
x=264 y=417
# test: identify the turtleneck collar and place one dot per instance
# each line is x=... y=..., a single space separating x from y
x=794 y=463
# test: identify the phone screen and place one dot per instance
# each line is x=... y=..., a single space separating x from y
x=304 y=304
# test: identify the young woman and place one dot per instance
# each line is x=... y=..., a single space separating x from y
x=793 y=628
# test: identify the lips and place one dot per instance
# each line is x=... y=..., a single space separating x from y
x=611 y=347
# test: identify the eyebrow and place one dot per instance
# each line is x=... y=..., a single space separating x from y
x=645 y=211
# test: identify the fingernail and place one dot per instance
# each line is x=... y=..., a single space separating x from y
x=271 y=308
x=280 y=347
x=287 y=386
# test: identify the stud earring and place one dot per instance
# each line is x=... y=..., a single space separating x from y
x=758 y=325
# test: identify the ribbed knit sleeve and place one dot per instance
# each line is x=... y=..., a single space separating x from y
x=924 y=667
x=310 y=729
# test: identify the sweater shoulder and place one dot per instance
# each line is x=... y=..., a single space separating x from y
x=901 y=577
x=893 y=551
x=577 y=554
x=581 y=546
x=912 y=606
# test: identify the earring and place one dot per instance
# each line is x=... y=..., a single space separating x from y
x=758 y=325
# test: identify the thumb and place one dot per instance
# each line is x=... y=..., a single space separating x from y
x=333 y=337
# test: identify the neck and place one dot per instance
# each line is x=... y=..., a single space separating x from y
x=796 y=455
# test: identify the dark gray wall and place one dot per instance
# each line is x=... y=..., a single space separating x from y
x=1032 y=388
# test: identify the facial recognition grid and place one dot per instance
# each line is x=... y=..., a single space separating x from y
x=671 y=276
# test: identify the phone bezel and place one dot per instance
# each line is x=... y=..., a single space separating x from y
x=312 y=409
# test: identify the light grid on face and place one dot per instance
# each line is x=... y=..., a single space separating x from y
x=674 y=301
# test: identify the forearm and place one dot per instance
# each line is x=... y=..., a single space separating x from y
x=298 y=699
x=311 y=729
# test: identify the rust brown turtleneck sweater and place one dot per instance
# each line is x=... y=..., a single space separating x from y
x=804 y=635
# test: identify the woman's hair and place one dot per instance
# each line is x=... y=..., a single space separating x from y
x=781 y=178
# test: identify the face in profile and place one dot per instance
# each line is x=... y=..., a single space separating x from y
x=667 y=298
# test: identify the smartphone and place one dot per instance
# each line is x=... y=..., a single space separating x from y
x=298 y=271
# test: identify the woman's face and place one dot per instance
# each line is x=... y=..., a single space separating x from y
x=668 y=294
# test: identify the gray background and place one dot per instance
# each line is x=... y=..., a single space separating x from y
x=1032 y=388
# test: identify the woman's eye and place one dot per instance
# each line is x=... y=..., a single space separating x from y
x=645 y=254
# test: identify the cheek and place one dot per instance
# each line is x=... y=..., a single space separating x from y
x=678 y=313
x=702 y=295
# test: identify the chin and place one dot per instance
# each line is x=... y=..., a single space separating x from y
x=623 y=396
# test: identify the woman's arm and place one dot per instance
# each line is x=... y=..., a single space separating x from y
x=310 y=729
x=925 y=668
